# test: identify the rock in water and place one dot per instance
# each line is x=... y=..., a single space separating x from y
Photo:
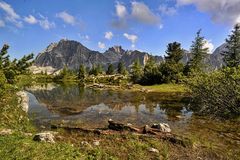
x=163 y=127
x=44 y=137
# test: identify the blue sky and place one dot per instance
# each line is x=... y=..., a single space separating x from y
x=147 y=25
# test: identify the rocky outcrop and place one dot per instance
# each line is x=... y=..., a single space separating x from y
x=23 y=100
x=69 y=53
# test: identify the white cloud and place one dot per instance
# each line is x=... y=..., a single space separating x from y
x=101 y=45
x=164 y=9
x=143 y=14
x=108 y=35
x=209 y=45
x=121 y=10
x=11 y=15
x=66 y=17
x=2 y=23
x=132 y=38
x=30 y=19
x=221 y=11
x=45 y=23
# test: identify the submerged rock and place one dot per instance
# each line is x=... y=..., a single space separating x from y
x=44 y=137
x=163 y=127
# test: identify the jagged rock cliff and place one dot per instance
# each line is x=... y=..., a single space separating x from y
x=72 y=54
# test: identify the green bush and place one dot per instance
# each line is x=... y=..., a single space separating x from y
x=217 y=93
x=3 y=81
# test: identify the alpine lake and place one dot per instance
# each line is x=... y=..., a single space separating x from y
x=73 y=105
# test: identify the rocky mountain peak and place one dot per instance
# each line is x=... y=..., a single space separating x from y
x=116 y=49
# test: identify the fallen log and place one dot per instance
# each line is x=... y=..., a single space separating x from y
x=121 y=128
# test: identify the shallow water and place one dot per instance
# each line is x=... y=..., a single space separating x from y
x=92 y=108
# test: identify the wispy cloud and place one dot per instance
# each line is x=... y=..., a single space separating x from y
x=108 y=35
x=66 y=17
x=11 y=15
x=166 y=10
x=132 y=38
x=209 y=45
x=139 y=12
x=143 y=14
x=31 y=19
x=221 y=11
x=101 y=45
x=45 y=23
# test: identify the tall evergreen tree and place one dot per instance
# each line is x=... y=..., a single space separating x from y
x=110 y=69
x=121 y=68
x=136 y=71
x=232 y=52
x=171 y=70
x=199 y=52
x=174 y=52
x=81 y=73
x=150 y=73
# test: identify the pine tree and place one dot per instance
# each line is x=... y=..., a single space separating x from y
x=136 y=71
x=171 y=70
x=232 y=52
x=150 y=73
x=121 y=68
x=174 y=52
x=110 y=70
x=199 y=52
x=15 y=67
x=81 y=73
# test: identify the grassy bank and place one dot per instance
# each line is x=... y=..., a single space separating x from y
x=167 y=88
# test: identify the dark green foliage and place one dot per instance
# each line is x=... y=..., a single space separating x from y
x=82 y=73
x=65 y=75
x=15 y=67
x=232 y=53
x=121 y=68
x=172 y=69
x=136 y=71
x=96 y=70
x=199 y=52
x=3 y=81
x=217 y=93
x=110 y=70
x=174 y=53
x=151 y=74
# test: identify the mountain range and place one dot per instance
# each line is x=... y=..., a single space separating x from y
x=72 y=53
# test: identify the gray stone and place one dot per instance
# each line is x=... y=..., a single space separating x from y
x=44 y=137
x=163 y=127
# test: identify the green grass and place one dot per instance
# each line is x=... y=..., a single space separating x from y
x=167 y=88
